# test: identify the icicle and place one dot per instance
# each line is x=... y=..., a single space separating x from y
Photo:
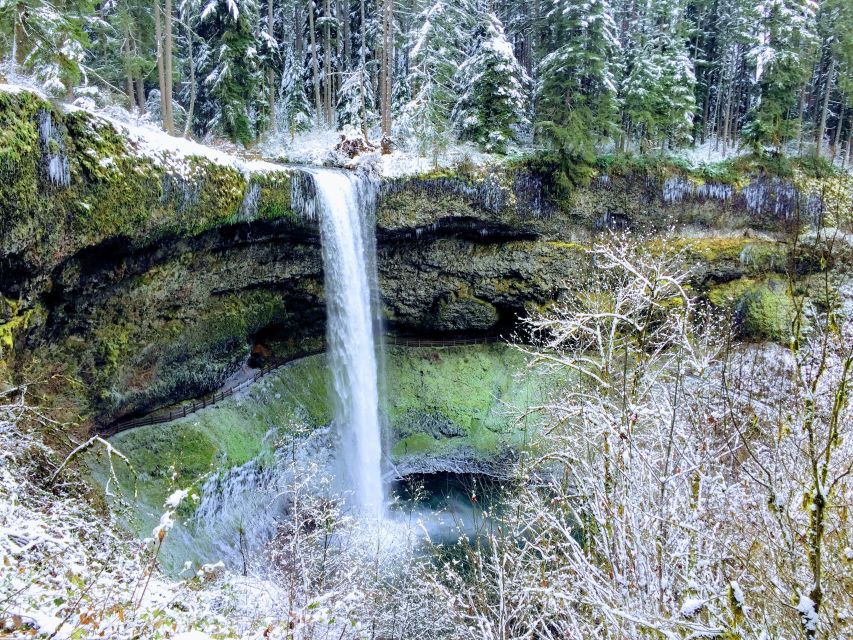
x=54 y=159
x=249 y=206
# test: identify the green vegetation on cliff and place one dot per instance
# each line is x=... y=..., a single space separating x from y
x=465 y=402
x=69 y=180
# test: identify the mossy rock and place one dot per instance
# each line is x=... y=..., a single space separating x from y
x=437 y=402
x=762 y=309
x=114 y=191
x=462 y=311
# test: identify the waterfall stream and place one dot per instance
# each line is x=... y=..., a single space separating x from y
x=345 y=206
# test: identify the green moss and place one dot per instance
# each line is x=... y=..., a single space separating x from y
x=763 y=309
x=437 y=400
x=416 y=444
x=754 y=255
x=114 y=190
x=275 y=195
x=472 y=394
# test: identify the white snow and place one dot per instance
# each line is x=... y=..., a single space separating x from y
x=691 y=606
x=192 y=635
x=174 y=500
x=806 y=609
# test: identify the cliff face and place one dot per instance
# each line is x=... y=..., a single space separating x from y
x=150 y=279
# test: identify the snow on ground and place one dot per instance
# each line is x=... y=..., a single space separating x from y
x=711 y=152
x=173 y=151
x=148 y=139
x=67 y=572
x=404 y=163
x=317 y=147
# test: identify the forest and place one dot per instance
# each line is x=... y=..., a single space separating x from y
x=574 y=76
x=426 y=319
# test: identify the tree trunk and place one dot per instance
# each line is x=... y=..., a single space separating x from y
x=387 y=71
x=824 y=110
x=363 y=69
x=345 y=16
x=327 y=62
x=271 y=71
x=802 y=109
x=315 y=65
x=169 y=120
x=838 y=125
x=297 y=27
x=191 y=60
x=19 y=36
x=161 y=73
x=726 y=121
x=128 y=75
x=140 y=94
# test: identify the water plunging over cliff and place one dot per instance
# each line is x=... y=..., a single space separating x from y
x=345 y=205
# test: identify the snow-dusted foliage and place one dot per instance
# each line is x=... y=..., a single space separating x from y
x=658 y=89
x=70 y=573
x=294 y=112
x=493 y=107
x=47 y=39
x=228 y=68
x=687 y=489
x=356 y=100
x=577 y=83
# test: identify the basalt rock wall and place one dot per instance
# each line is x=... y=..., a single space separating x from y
x=151 y=280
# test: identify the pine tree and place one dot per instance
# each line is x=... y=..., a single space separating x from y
x=784 y=62
x=355 y=95
x=435 y=56
x=577 y=79
x=493 y=109
x=48 y=40
x=294 y=110
x=228 y=68
x=658 y=92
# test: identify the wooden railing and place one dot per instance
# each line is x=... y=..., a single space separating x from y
x=182 y=411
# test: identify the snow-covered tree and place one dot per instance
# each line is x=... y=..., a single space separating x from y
x=784 y=60
x=577 y=77
x=228 y=68
x=493 y=107
x=47 y=39
x=294 y=110
x=434 y=57
x=658 y=92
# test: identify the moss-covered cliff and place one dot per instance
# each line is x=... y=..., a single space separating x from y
x=149 y=279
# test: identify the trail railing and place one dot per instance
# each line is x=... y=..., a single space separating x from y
x=182 y=411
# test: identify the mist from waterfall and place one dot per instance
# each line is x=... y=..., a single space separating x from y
x=345 y=206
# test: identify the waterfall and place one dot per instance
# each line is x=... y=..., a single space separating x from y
x=345 y=205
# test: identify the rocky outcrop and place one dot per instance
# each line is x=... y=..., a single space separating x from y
x=148 y=280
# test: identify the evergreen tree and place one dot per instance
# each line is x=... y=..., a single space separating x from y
x=577 y=78
x=294 y=110
x=355 y=98
x=435 y=56
x=659 y=89
x=228 y=66
x=783 y=62
x=493 y=108
x=47 y=39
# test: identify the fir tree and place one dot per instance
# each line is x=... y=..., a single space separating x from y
x=658 y=92
x=493 y=109
x=228 y=68
x=294 y=110
x=783 y=63
x=355 y=97
x=435 y=56
x=47 y=39
x=577 y=85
